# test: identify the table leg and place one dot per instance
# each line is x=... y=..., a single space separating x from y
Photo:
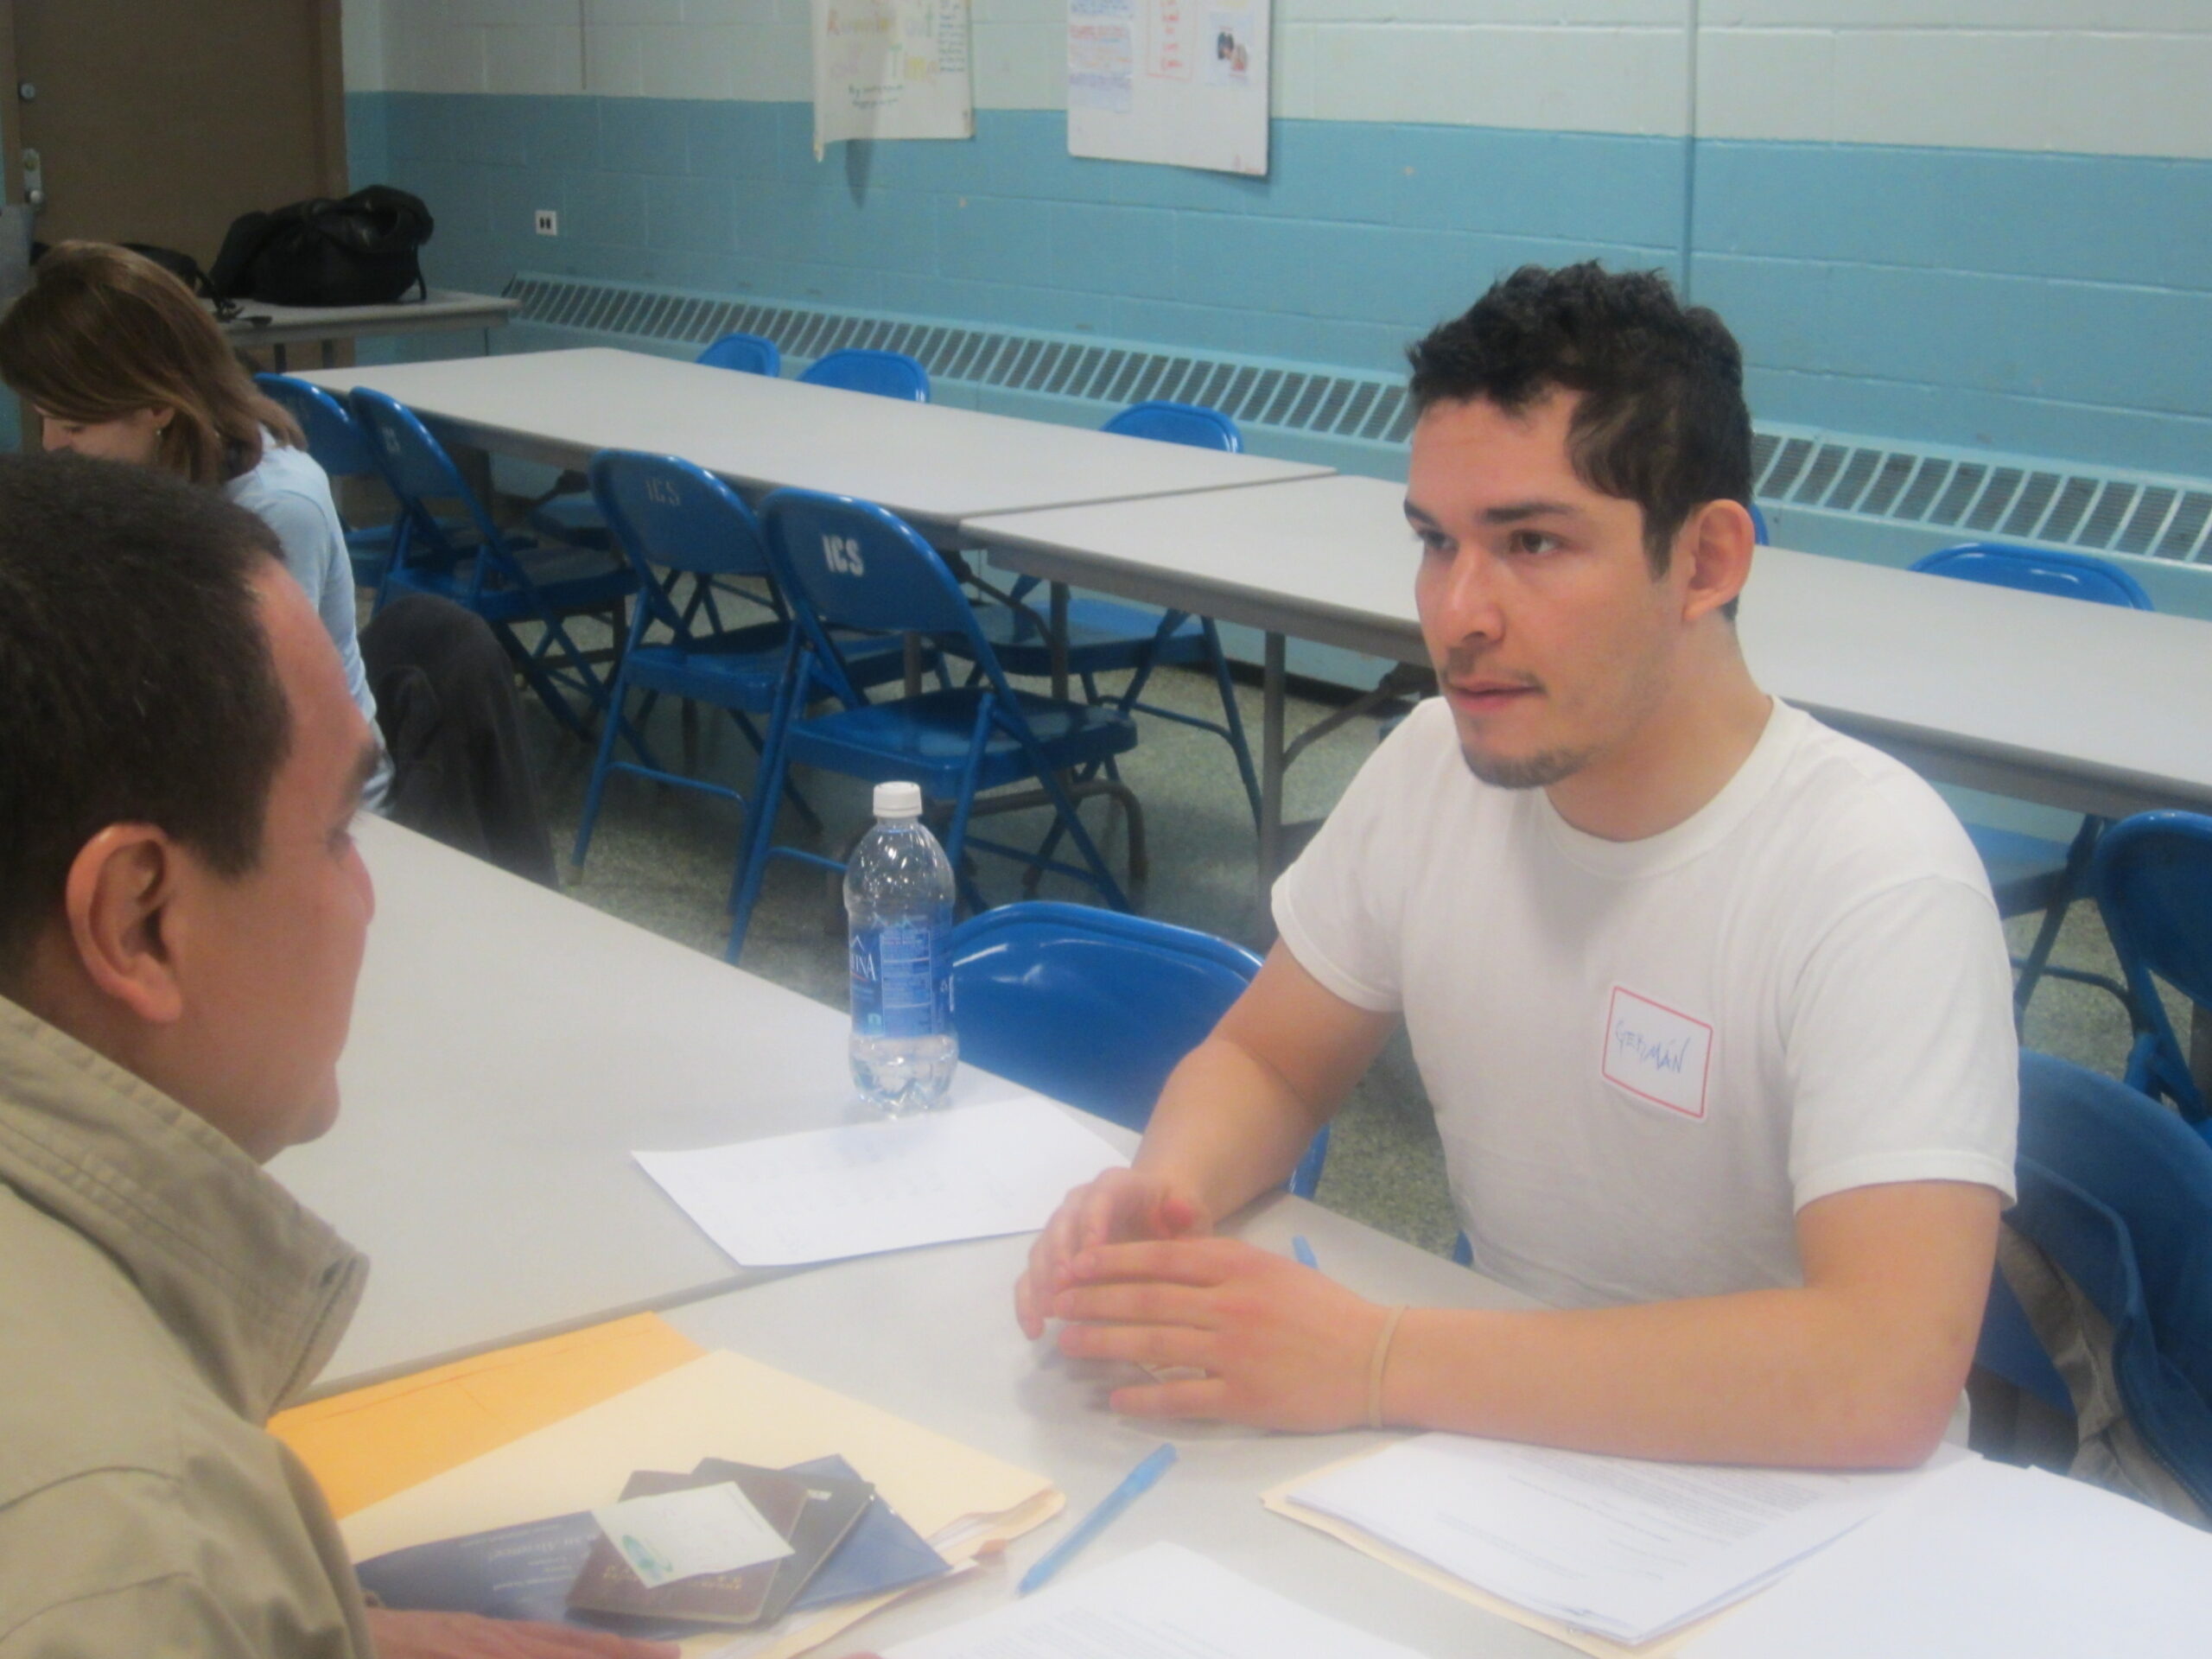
x=913 y=664
x=283 y=366
x=329 y=353
x=1059 y=622
x=1271 y=764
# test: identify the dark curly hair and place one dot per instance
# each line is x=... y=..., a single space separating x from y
x=1662 y=421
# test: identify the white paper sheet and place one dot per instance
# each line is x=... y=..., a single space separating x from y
x=1987 y=1562
x=1162 y=1602
x=675 y=1535
x=1625 y=1548
x=971 y=1171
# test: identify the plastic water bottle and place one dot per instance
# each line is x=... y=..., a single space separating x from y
x=899 y=895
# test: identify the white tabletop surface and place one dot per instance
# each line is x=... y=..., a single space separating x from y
x=509 y=1049
x=441 y=310
x=511 y=1046
x=930 y=1334
x=2082 y=706
x=931 y=463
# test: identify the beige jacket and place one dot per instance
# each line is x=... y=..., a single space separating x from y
x=159 y=1297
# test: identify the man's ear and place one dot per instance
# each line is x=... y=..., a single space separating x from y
x=120 y=902
x=1715 y=546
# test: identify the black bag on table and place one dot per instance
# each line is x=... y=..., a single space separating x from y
x=359 y=250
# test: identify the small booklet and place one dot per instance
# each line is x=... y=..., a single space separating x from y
x=608 y=1585
x=847 y=1544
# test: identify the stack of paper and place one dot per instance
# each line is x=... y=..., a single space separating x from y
x=1627 y=1549
x=974 y=1172
x=1988 y=1562
x=1163 y=1602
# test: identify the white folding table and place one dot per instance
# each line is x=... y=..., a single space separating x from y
x=509 y=1047
x=933 y=464
x=441 y=310
x=2044 y=699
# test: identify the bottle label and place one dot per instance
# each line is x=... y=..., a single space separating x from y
x=901 y=985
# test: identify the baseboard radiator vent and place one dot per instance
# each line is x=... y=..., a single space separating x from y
x=1291 y=407
x=1831 y=493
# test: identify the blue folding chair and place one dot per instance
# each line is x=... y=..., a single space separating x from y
x=681 y=528
x=507 y=579
x=881 y=374
x=568 y=513
x=746 y=353
x=2116 y=1197
x=2027 y=872
x=339 y=449
x=2153 y=878
x=848 y=564
x=1759 y=524
x=1104 y=636
x=1094 y=1008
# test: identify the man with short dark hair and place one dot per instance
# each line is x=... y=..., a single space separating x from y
x=1711 y=1002
x=182 y=914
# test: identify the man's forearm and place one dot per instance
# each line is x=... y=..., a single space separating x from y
x=1227 y=1128
x=1796 y=1376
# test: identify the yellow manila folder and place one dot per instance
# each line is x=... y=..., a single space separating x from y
x=720 y=1405
x=368 y=1444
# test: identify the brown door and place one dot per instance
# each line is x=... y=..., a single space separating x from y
x=160 y=121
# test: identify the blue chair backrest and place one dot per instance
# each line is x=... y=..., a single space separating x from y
x=1759 y=524
x=1170 y=423
x=748 y=353
x=2038 y=570
x=856 y=565
x=2152 y=879
x=1089 y=1006
x=416 y=467
x=333 y=438
x=672 y=514
x=884 y=374
x=2119 y=1193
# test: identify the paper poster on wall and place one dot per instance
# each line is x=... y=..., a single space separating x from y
x=891 y=69
x=1183 y=82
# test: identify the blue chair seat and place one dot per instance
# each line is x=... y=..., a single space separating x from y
x=1104 y=637
x=564 y=581
x=2025 y=872
x=741 y=667
x=574 y=520
x=926 y=738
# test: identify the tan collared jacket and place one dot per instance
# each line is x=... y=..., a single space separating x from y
x=160 y=1295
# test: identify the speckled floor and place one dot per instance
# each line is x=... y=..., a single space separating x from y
x=663 y=858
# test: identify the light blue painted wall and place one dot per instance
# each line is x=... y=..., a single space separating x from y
x=2057 y=305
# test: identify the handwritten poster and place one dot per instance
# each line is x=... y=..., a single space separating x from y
x=1182 y=82
x=891 y=69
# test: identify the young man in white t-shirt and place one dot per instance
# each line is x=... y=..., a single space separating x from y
x=1712 y=1002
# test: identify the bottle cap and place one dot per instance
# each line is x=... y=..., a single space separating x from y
x=898 y=800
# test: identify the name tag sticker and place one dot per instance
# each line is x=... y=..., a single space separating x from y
x=1657 y=1053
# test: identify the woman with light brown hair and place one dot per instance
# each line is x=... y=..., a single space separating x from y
x=123 y=364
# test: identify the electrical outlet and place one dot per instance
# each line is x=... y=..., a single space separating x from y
x=549 y=222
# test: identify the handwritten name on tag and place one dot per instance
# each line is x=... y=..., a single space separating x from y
x=1657 y=1053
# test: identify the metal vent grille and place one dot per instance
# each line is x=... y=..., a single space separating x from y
x=1363 y=407
x=2093 y=512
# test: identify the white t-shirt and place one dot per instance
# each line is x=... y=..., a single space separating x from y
x=1645 y=1055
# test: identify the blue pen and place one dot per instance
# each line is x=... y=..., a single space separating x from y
x=1304 y=1251
x=1138 y=1481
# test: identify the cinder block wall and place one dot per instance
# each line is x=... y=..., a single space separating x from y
x=1978 y=222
